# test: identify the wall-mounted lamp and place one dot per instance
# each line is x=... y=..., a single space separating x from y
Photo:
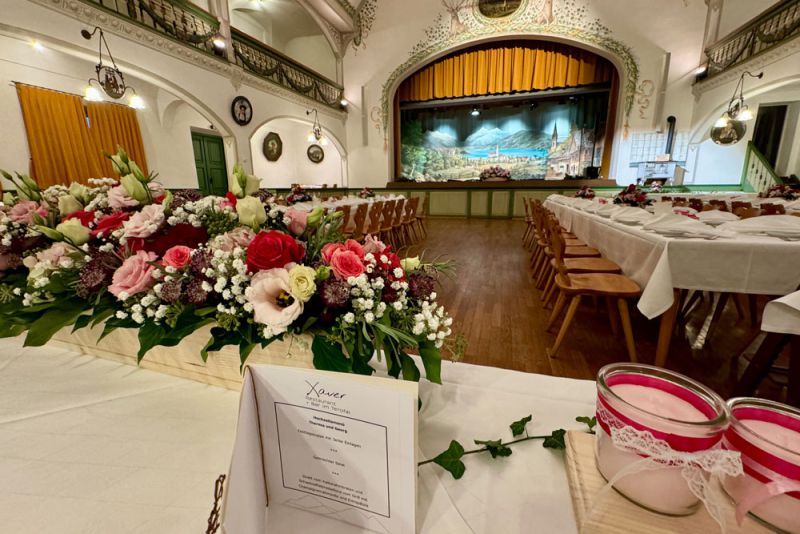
x=730 y=127
x=218 y=41
x=109 y=78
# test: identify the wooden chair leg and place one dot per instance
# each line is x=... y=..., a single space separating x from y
x=752 y=308
x=548 y=290
x=613 y=316
x=759 y=366
x=627 y=329
x=573 y=307
x=557 y=309
x=551 y=299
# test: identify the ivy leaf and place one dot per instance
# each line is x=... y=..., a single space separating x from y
x=591 y=422
x=518 y=427
x=329 y=356
x=432 y=361
x=555 y=440
x=495 y=447
x=450 y=460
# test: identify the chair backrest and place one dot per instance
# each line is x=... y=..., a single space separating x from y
x=747 y=213
x=411 y=209
x=388 y=213
x=360 y=218
x=345 y=216
x=720 y=205
x=557 y=246
x=740 y=204
x=772 y=209
x=398 y=212
x=374 y=224
x=696 y=204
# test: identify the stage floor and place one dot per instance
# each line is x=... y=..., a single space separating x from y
x=93 y=446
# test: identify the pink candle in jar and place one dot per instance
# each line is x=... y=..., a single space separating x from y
x=669 y=406
x=768 y=436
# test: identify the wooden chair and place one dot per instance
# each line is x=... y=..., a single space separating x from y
x=387 y=220
x=739 y=204
x=409 y=217
x=543 y=271
x=397 y=224
x=772 y=209
x=374 y=218
x=420 y=214
x=345 y=210
x=720 y=205
x=696 y=204
x=747 y=213
x=613 y=287
x=360 y=219
x=530 y=228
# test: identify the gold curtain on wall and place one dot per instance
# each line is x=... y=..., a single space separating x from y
x=60 y=146
x=111 y=125
x=499 y=69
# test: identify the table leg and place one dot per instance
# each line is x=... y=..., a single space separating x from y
x=793 y=395
x=666 y=328
x=760 y=364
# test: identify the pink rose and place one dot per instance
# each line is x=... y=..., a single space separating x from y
x=329 y=250
x=178 y=257
x=54 y=254
x=241 y=236
x=134 y=276
x=272 y=300
x=346 y=263
x=296 y=220
x=373 y=246
x=146 y=222
x=353 y=246
x=118 y=198
x=24 y=209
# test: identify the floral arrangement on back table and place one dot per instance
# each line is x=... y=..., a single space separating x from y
x=633 y=196
x=585 y=192
x=129 y=254
x=784 y=191
x=495 y=173
x=366 y=193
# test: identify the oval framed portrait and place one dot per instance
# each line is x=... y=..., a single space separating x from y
x=498 y=9
x=315 y=153
x=242 y=111
x=272 y=147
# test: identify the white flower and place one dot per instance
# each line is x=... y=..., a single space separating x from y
x=349 y=317
x=431 y=337
x=369 y=317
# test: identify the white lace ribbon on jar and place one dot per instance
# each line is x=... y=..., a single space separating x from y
x=702 y=470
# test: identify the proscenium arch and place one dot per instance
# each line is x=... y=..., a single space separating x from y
x=335 y=141
x=622 y=60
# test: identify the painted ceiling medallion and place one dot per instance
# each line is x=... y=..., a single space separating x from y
x=497 y=9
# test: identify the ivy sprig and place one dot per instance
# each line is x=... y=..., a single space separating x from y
x=451 y=459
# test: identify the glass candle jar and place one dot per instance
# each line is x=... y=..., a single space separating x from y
x=767 y=434
x=672 y=408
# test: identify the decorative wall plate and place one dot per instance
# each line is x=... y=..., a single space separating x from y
x=315 y=153
x=241 y=110
x=272 y=147
x=497 y=9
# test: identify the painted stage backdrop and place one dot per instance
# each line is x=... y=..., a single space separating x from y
x=549 y=140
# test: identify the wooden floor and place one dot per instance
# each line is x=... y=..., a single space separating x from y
x=496 y=306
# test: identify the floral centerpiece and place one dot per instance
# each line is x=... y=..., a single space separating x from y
x=495 y=174
x=656 y=187
x=366 y=193
x=585 y=192
x=298 y=194
x=785 y=191
x=128 y=254
x=632 y=196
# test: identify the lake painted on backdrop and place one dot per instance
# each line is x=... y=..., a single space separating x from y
x=483 y=153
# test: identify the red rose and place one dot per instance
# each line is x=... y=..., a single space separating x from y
x=109 y=223
x=273 y=250
x=346 y=263
x=178 y=256
x=329 y=250
x=85 y=217
x=181 y=234
x=354 y=246
x=231 y=200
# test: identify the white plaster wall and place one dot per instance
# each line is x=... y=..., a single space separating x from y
x=313 y=51
x=243 y=21
x=207 y=91
x=294 y=167
x=736 y=13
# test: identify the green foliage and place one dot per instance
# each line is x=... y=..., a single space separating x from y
x=450 y=460
x=518 y=427
x=591 y=422
x=328 y=356
x=555 y=440
x=496 y=447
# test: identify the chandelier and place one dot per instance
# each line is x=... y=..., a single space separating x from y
x=316 y=135
x=730 y=127
x=108 y=77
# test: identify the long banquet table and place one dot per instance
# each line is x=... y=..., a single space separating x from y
x=750 y=264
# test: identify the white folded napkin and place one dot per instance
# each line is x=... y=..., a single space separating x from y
x=581 y=203
x=607 y=210
x=682 y=225
x=766 y=224
x=630 y=214
x=783 y=315
x=716 y=217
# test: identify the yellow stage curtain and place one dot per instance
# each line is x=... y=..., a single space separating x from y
x=506 y=68
x=60 y=146
x=111 y=125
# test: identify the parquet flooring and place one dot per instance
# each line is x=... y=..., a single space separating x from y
x=496 y=306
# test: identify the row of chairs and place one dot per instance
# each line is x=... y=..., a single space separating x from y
x=566 y=270
x=740 y=208
x=399 y=223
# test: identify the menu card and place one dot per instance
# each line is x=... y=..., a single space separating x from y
x=336 y=445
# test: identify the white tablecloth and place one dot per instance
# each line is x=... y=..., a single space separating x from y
x=745 y=264
x=782 y=316
x=526 y=492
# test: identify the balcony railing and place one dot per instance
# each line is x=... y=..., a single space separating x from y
x=187 y=23
x=261 y=60
x=771 y=28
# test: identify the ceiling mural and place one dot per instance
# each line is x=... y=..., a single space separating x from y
x=463 y=21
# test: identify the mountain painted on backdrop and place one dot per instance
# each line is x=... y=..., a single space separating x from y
x=436 y=139
x=486 y=137
x=491 y=137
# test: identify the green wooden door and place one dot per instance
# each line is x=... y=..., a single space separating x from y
x=209 y=160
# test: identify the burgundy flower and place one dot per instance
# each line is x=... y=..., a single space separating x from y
x=420 y=286
x=335 y=293
x=195 y=293
x=109 y=223
x=181 y=234
x=171 y=291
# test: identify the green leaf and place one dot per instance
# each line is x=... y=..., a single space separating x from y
x=432 y=361
x=450 y=460
x=591 y=422
x=495 y=447
x=52 y=321
x=101 y=315
x=150 y=335
x=410 y=371
x=81 y=322
x=405 y=339
x=8 y=329
x=245 y=349
x=555 y=440
x=329 y=356
x=518 y=427
x=219 y=338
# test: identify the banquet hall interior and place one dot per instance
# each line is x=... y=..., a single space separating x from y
x=547 y=187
